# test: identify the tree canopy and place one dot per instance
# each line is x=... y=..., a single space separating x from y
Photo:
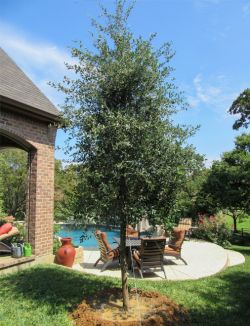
x=66 y=179
x=13 y=182
x=14 y=186
x=228 y=183
x=118 y=111
x=241 y=107
x=190 y=200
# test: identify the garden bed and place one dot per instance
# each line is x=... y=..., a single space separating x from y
x=146 y=308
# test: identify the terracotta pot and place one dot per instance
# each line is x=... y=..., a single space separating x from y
x=66 y=253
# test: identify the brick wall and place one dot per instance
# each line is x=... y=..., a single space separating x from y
x=38 y=138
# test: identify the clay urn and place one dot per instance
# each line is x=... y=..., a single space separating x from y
x=65 y=255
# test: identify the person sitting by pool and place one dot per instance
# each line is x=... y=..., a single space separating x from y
x=131 y=232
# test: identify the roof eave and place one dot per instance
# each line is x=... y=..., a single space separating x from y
x=27 y=110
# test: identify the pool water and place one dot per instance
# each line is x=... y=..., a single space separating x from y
x=90 y=242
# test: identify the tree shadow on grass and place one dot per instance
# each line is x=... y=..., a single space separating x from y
x=58 y=287
x=221 y=300
x=227 y=297
x=229 y=306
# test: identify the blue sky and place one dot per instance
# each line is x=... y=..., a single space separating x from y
x=210 y=37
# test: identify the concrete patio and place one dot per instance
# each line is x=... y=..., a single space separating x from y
x=203 y=259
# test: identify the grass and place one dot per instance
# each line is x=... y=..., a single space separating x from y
x=44 y=295
x=218 y=300
x=245 y=223
x=241 y=224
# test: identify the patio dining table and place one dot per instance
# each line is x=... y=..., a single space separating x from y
x=131 y=243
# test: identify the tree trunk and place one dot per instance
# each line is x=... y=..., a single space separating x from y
x=123 y=263
x=234 y=216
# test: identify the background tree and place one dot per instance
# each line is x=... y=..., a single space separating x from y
x=66 y=179
x=189 y=200
x=2 y=211
x=241 y=106
x=228 y=183
x=13 y=181
x=133 y=160
x=14 y=186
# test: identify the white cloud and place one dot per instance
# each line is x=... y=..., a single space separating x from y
x=41 y=61
x=213 y=93
x=203 y=93
x=246 y=9
x=193 y=101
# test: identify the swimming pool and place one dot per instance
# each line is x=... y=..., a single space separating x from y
x=90 y=242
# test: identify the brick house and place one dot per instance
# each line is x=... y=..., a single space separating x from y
x=28 y=121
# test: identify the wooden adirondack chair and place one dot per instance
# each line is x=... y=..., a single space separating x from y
x=175 y=244
x=107 y=254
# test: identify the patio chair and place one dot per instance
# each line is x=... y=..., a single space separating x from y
x=5 y=246
x=175 y=245
x=107 y=254
x=131 y=232
x=150 y=255
x=186 y=225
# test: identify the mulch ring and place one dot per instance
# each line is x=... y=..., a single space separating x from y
x=146 y=309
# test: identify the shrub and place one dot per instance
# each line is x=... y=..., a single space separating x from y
x=56 y=245
x=2 y=222
x=56 y=239
x=214 y=232
x=22 y=230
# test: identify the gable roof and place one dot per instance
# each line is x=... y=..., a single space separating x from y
x=16 y=88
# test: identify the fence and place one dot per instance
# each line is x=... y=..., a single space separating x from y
x=242 y=236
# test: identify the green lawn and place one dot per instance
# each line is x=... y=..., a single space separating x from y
x=218 y=300
x=44 y=295
x=244 y=224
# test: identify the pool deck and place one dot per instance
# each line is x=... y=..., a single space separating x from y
x=203 y=259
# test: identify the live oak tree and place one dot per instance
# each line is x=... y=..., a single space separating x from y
x=241 y=107
x=132 y=160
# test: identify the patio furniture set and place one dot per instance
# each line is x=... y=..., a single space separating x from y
x=143 y=253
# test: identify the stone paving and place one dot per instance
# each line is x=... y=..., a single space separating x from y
x=203 y=259
x=235 y=258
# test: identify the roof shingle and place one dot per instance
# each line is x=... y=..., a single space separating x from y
x=15 y=85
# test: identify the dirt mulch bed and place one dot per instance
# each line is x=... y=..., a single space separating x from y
x=146 y=309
